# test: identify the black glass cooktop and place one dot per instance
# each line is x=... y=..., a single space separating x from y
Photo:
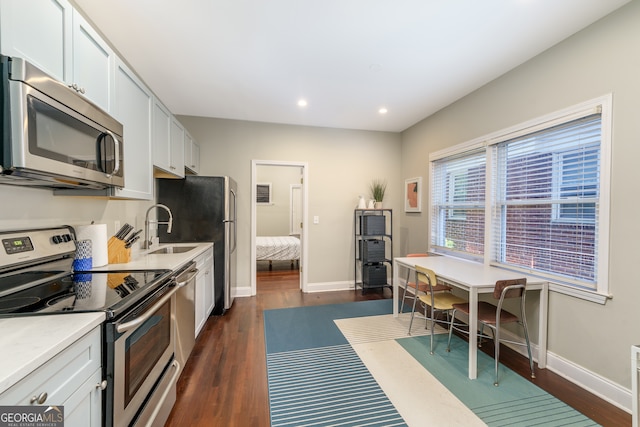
x=112 y=292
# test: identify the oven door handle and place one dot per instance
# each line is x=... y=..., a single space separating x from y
x=124 y=327
x=180 y=282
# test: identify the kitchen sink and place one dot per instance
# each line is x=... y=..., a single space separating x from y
x=172 y=250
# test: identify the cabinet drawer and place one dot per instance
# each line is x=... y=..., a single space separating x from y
x=60 y=376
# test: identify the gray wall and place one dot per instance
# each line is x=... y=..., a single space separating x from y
x=602 y=59
x=342 y=164
x=273 y=219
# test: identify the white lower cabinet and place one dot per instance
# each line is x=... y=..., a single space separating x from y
x=72 y=379
x=204 y=299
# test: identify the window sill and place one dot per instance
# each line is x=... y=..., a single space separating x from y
x=584 y=294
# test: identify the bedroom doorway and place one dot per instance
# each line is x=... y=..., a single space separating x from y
x=278 y=235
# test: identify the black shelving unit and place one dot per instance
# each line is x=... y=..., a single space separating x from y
x=373 y=240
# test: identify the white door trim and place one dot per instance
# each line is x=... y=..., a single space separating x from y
x=294 y=225
x=305 y=204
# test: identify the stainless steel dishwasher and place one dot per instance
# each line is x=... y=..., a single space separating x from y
x=185 y=313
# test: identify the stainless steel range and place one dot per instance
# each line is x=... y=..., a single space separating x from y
x=36 y=277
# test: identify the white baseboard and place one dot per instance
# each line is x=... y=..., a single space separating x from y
x=605 y=389
x=243 y=291
x=330 y=286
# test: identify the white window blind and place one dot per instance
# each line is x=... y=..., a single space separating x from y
x=458 y=203
x=263 y=193
x=546 y=189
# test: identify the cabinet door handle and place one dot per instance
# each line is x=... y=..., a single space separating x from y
x=102 y=385
x=40 y=399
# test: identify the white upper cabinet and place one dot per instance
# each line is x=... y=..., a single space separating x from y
x=168 y=143
x=177 y=148
x=57 y=39
x=161 y=135
x=40 y=32
x=93 y=64
x=191 y=155
x=133 y=108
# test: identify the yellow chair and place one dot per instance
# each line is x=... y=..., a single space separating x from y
x=420 y=287
x=433 y=301
x=494 y=316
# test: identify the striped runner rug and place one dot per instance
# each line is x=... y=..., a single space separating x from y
x=326 y=386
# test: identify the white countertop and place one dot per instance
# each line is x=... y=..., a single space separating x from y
x=29 y=341
x=147 y=261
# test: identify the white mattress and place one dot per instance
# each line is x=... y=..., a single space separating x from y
x=277 y=248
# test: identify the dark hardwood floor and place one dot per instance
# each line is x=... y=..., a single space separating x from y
x=224 y=383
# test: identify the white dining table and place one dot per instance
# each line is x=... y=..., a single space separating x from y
x=475 y=278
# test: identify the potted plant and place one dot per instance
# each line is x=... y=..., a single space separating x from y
x=378 y=187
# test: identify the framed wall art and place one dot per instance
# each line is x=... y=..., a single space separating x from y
x=412 y=194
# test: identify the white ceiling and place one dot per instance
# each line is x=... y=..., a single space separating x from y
x=254 y=59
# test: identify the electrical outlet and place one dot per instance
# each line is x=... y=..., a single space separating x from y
x=316 y=219
x=117 y=224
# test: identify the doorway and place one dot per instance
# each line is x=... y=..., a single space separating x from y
x=278 y=213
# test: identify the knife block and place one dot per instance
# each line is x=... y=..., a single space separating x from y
x=118 y=254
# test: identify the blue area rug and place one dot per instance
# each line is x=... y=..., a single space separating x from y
x=316 y=378
x=309 y=327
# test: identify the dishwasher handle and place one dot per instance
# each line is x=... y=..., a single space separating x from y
x=186 y=276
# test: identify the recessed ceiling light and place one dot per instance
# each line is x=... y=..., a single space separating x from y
x=302 y=103
x=382 y=110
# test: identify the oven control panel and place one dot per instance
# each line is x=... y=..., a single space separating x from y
x=17 y=244
x=26 y=246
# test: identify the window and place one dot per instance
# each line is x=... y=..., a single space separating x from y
x=577 y=179
x=458 y=204
x=546 y=205
x=458 y=184
x=263 y=193
x=547 y=201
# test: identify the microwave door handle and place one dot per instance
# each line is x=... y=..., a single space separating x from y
x=116 y=147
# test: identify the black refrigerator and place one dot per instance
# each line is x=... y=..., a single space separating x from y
x=204 y=210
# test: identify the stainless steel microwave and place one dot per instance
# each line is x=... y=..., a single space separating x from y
x=52 y=136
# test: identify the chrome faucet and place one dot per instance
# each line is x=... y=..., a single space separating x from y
x=147 y=241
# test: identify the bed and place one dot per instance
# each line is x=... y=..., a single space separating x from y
x=277 y=248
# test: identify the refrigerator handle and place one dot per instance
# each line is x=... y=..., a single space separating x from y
x=233 y=221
